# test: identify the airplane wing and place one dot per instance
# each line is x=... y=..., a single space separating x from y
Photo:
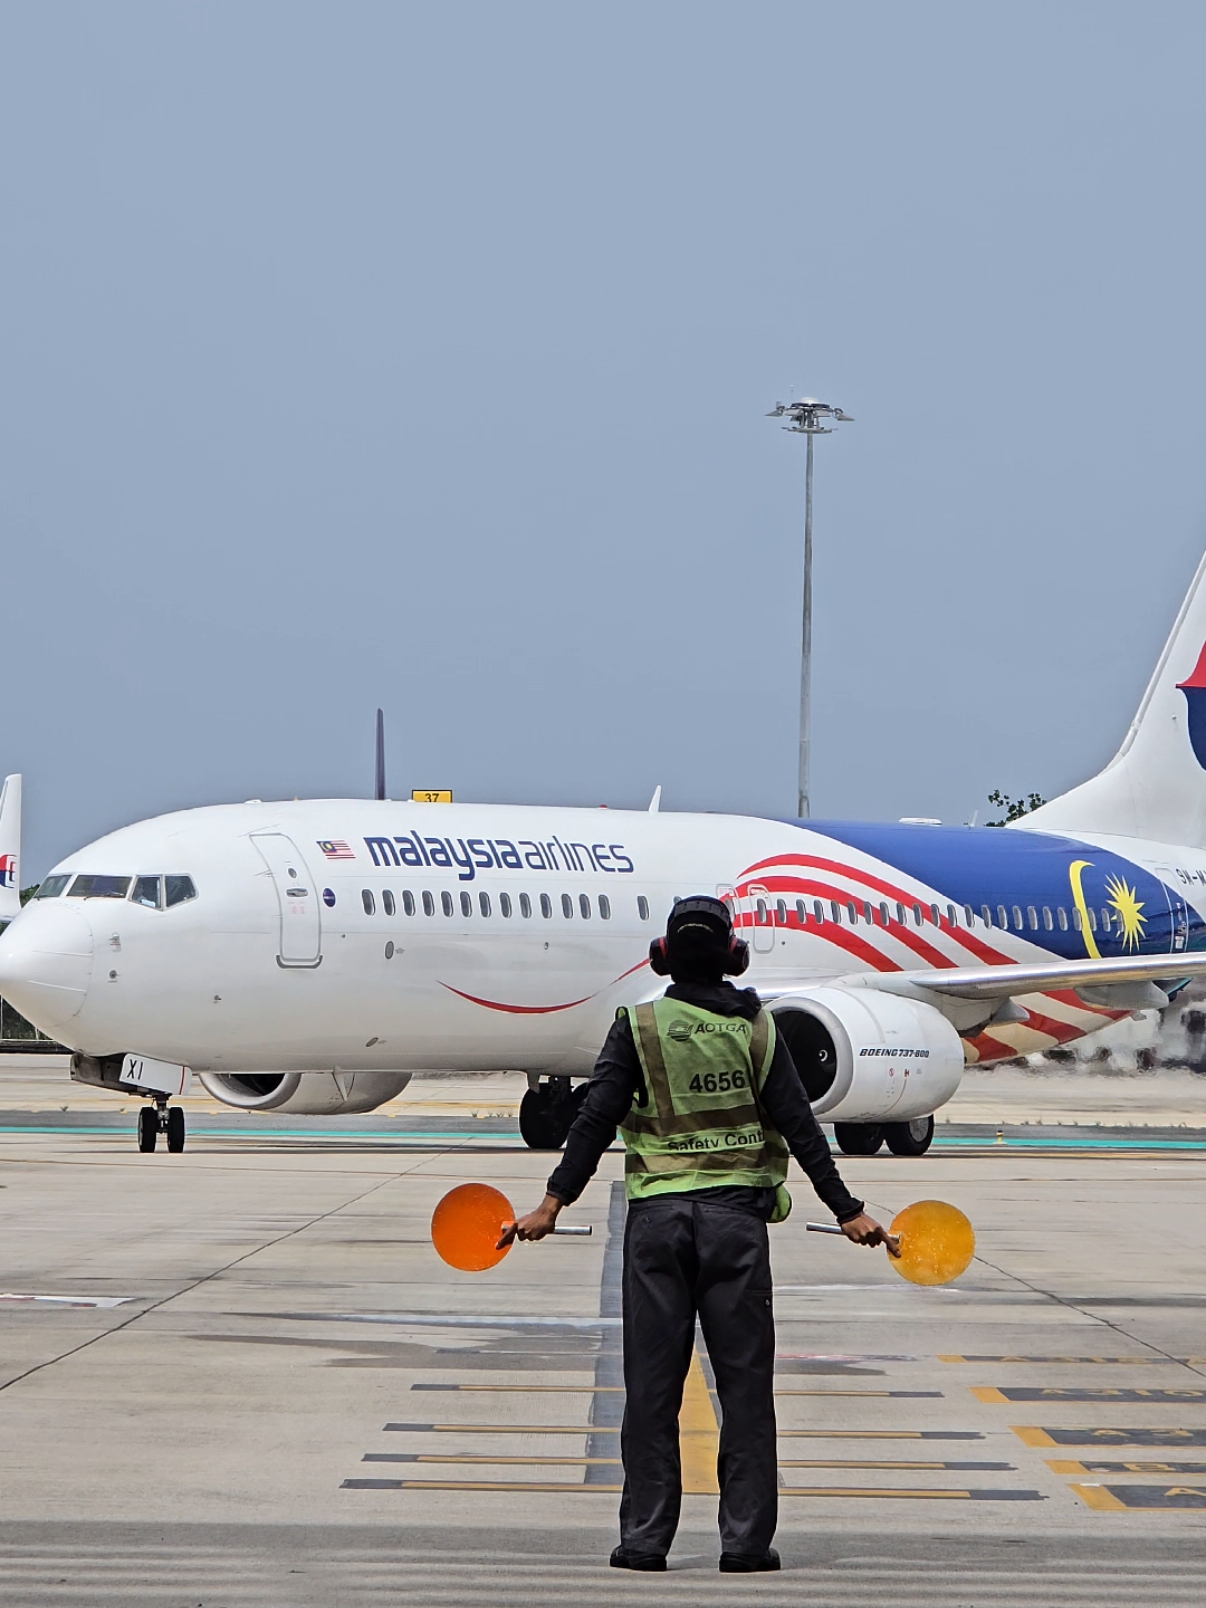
x=1004 y=982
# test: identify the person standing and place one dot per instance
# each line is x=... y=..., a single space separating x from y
x=710 y=1105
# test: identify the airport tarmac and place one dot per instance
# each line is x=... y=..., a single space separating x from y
x=241 y=1376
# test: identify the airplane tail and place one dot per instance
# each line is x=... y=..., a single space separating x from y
x=10 y=848
x=1155 y=785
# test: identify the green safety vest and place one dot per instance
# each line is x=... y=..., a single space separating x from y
x=700 y=1124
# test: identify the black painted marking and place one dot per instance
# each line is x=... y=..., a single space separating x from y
x=1139 y=1466
x=1048 y=1436
x=1114 y=1497
x=594 y=1429
x=1038 y=1393
x=878 y=1493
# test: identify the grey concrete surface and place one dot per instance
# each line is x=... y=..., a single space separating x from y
x=281 y=1305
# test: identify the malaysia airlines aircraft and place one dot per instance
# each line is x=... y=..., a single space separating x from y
x=310 y=956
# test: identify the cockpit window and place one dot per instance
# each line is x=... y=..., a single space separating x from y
x=147 y=892
x=51 y=887
x=177 y=890
x=89 y=887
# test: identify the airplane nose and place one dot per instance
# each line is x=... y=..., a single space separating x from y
x=46 y=963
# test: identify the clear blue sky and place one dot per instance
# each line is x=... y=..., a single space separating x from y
x=417 y=355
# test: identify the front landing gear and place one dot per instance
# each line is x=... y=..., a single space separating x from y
x=547 y=1112
x=161 y=1118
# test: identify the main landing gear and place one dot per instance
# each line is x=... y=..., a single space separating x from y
x=547 y=1112
x=903 y=1138
x=160 y=1118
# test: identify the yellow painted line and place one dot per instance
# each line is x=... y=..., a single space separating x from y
x=512 y=1462
x=513 y=1486
x=1029 y=1435
x=881 y=1493
x=1059 y=1465
x=596 y=1429
x=698 y=1434
x=1097 y=1497
x=989 y=1393
x=603 y=1390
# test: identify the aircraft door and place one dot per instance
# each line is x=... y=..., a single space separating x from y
x=1177 y=911
x=298 y=898
x=761 y=928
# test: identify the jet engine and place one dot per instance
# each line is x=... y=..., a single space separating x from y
x=311 y=1094
x=869 y=1057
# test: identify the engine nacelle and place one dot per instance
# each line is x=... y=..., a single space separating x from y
x=313 y=1094
x=867 y=1056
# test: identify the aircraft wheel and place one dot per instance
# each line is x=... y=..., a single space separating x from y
x=175 y=1128
x=544 y=1120
x=910 y=1138
x=148 y=1128
x=858 y=1138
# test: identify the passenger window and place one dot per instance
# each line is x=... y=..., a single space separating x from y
x=546 y=906
x=1002 y=917
x=428 y=904
x=367 y=900
x=100 y=887
x=567 y=906
x=146 y=892
x=51 y=887
x=1092 y=920
x=387 y=903
x=952 y=919
x=1061 y=916
x=604 y=907
x=1105 y=919
x=818 y=910
x=969 y=919
x=584 y=906
x=1047 y=921
x=642 y=907
x=868 y=915
x=177 y=889
x=852 y=912
x=835 y=910
x=801 y=911
x=1017 y=918
x=934 y=916
x=986 y=915
x=525 y=906
x=504 y=905
x=408 y=902
x=917 y=916
x=466 y=904
x=781 y=912
x=446 y=903
x=483 y=903
x=1032 y=917
x=1078 y=920
x=900 y=914
x=760 y=913
x=884 y=917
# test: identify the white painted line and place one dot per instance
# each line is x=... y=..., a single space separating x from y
x=74 y=1300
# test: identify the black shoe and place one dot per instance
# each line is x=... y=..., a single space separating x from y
x=653 y=1562
x=745 y=1563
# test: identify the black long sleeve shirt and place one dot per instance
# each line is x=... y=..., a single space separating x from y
x=618 y=1078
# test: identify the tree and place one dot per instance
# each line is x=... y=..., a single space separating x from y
x=1014 y=808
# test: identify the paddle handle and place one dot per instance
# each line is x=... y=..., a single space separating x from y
x=816 y=1228
x=572 y=1228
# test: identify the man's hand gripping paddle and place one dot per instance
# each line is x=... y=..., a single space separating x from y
x=469 y=1227
x=934 y=1242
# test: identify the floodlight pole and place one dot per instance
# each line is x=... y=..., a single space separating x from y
x=806 y=416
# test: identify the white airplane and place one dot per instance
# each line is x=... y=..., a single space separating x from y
x=310 y=956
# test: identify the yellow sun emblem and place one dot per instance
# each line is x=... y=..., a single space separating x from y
x=1128 y=907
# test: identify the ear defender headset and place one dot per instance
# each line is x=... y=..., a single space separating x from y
x=702 y=915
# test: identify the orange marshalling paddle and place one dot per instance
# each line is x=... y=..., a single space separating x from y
x=937 y=1242
x=468 y=1222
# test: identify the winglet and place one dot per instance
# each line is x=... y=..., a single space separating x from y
x=655 y=803
x=10 y=848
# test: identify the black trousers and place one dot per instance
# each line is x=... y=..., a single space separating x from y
x=682 y=1259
